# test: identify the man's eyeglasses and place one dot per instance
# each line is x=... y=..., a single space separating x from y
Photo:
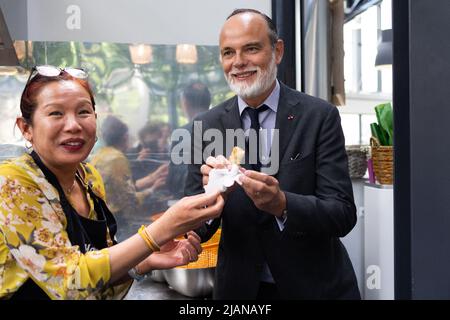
x=52 y=71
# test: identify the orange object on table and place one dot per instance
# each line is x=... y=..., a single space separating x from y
x=208 y=257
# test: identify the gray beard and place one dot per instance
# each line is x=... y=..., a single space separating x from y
x=261 y=84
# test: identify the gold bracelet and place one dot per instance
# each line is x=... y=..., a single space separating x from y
x=149 y=236
x=148 y=239
x=143 y=235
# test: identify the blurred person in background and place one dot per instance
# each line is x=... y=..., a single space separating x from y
x=149 y=155
x=195 y=99
x=124 y=195
x=164 y=141
x=150 y=158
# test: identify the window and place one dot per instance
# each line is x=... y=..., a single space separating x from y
x=366 y=85
x=361 y=36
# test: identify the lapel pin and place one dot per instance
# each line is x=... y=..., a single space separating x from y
x=290 y=117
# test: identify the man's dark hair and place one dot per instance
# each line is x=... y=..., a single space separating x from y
x=197 y=96
x=113 y=131
x=273 y=33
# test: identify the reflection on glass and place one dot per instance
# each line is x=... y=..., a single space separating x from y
x=141 y=53
x=186 y=53
x=145 y=97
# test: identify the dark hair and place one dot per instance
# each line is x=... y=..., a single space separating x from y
x=113 y=130
x=28 y=102
x=273 y=33
x=197 y=96
x=151 y=128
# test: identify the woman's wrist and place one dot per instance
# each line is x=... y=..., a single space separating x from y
x=142 y=270
x=148 y=239
x=160 y=232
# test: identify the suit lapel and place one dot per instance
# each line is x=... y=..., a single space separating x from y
x=230 y=118
x=288 y=116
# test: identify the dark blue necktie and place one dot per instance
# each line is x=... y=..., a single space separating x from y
x=255 y=125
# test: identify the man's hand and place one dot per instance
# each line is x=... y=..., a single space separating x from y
x=144 y=154
x=156 y=176
x=264 y=191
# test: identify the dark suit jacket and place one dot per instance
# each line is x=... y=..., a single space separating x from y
x=306 y=259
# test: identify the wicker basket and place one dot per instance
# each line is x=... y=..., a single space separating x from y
x=383 y=162
x=357 y=160
x=208 y=257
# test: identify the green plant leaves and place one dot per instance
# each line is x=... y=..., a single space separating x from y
x=384 y=129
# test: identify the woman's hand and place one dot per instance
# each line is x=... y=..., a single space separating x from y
x=219 y=162
x=173 y=254
x=187 y=214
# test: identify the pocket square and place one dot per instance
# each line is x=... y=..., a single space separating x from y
x=295 y=157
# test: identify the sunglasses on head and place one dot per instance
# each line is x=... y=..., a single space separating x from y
x=52 y=71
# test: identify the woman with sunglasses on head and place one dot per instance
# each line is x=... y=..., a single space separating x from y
x=57 y=236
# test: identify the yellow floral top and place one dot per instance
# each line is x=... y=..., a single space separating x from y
x=34 y=242
x=114 y=167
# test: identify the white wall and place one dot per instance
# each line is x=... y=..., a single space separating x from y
x=120 y=21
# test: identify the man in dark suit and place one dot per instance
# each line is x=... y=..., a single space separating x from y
x=280 y=231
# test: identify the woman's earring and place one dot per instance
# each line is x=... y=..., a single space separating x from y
x=29 y=146
x=96 y=138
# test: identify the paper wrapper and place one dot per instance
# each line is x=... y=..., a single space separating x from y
x=221 y=179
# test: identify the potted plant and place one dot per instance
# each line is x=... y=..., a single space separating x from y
x=382 y=144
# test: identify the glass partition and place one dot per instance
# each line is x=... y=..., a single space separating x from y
x=140 y=85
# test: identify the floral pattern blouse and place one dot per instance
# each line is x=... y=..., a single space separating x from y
x=34 y=243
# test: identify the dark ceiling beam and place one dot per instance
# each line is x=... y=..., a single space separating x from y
x=8 y=55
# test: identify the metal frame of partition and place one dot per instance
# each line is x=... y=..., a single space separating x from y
x=283 y=15
x=402 y=163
